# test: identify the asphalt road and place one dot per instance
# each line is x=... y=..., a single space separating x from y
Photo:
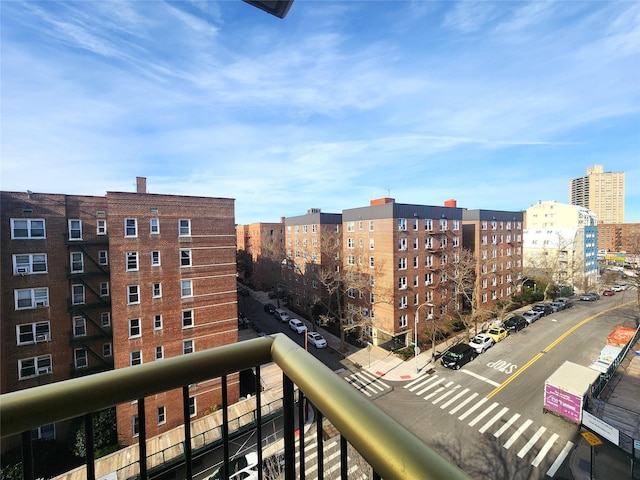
x=473 y=415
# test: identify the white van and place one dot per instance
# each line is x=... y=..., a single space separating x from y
x=281 y=315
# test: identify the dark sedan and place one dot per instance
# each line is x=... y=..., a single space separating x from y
x=516 y=323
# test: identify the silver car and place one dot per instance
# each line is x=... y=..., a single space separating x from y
x=481 y=342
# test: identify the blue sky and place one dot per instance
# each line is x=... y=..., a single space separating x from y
x=497 y=105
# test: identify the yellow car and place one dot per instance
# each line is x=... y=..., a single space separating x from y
x=497 y=333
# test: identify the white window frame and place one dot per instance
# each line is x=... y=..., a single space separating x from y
x=135 y=357
x=79 y=327
x=105 y=319
x=101 y=227
x=23 y=263
x=188 y=320
x=107 y=349
x=402 y=224
x=76 y=262
x=156 y=290
x=131 y=261
x=159 y=352
x=75 y=230
x=186 y=288
x=154 y=226
x=30 y=333
x=42 y=365
x=29 y=228
x=155 y=258
x=157 y=321
x=38 y=297
x=184 y=230
x=103 y=257
x=185 y=257
x=193 y=411
x=161 y=415
x=135 y=328
x=80 y=358
x=188 y=346
x=44 y=432
x=104 y=289
x=402 y=321
x=130 y=227
x=133 y=294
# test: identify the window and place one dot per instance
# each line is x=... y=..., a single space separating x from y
x=33 y=367
x=154 y=226
x=402 y=321
x=162 y=416
x=416 y=262
x=77 y=262
x=105 y=319
x=314 y=228
x=351 y=293
x=428 y=243
x=30 y=263
x=187 y=347
x=402 y=302
x=402 y=283
x=103 y=257
x=27 y=228
x=79 y=327
x=371 y=244
x=428 y=279
x=187 y=318
x=428 y=224
x=45 y=432
x=186 y=288
x=29 y=333
x=133 y=294
x=402 y=244
x=415 y=224
x=351 y=259
x=456 y=241
x=101 y=227
x=351 y=226
x=104 y=289
x=135 y=425
x=132 y=261
x=75 y=229
x=134 y=328
x=371 y=225
x=185 y=258
x=415 y=243
x=155 y=258
x=31 y=298
x=130 y=227
x=135 y=358
x=159 y=352
x=184 y=227
x=456 y=225
x=156 y=290
x=402 y=224
x=372 y=262
x=402 y=263
x=192 y=407
x=80 y=359
x=350 y=243
x=106 y=350
x=157 y=322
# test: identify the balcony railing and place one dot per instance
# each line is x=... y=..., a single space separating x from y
x=388 y=447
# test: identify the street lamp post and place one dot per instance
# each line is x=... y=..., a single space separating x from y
x=416 y=348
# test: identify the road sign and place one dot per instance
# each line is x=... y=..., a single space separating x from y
x=592 y=439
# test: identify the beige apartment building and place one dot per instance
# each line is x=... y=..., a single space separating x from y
x=561 y=241
x=402 y=257
x=600 y=192
x=495 y=237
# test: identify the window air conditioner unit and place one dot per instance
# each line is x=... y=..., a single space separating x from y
x=42 y=303
x=430 y=316
x=43 y=337
x=22 y=270
x=44 y=370
x=427 y=283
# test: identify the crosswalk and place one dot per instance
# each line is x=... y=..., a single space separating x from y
x=368 y=383
x=480 y=413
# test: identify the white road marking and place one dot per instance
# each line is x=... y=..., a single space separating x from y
x=517 y=433
x=556 y=465
x=493 y=420
x=532 y=441
x=506 y=426
x=445 y=405
x=482 y=415
x=472 y=409
x=463 y=403
x=480 y=377
x=544 y=450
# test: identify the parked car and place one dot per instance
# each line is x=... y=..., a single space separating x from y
x=516 y=323
x=316 y=340
x=457 y=356
x=297 y=326
x=281 y=315
x=541 y=307
x=567 y=303
x=608 y=293
x=554 y=308
x=532 y=315
x=244 y=467
x=619 y=287
x=589 y=297
x=558 y=306
x=497 y=333
x=269 y=308
x=481 y=342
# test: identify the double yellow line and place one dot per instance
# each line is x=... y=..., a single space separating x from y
x=552 y=345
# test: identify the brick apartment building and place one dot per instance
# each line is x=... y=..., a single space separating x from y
x=619 y=237
x=407 y=252
x=265 y=243
x=495 y=237
x=313 y=243
x=95 y=283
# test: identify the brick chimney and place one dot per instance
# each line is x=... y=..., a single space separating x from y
x=451 y=203
x=141 y=184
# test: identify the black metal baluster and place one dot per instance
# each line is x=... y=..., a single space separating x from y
x=187 y=431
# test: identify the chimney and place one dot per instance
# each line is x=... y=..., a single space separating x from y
x=141 y=184
x=451 y=203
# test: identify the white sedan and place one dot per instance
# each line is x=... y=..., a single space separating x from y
x=481 y=342
x=316 y=340
x=297 y=326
